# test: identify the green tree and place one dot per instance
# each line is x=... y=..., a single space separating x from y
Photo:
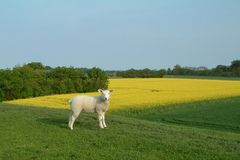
x=34 y=79
x=36 y=65
x=1 y=95
x=235 y=67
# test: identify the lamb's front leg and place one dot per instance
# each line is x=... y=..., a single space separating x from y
x=100 y=118
x=104 y=123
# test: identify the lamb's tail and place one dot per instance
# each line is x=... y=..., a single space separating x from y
x=70 y=101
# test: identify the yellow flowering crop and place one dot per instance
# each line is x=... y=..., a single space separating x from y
x=148 y=92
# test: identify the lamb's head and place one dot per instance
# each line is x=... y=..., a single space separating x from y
x=105 y=94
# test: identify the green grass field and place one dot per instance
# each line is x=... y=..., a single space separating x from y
x=202 y=77
x=199 y=130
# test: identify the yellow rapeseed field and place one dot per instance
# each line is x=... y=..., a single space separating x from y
x=149 y=92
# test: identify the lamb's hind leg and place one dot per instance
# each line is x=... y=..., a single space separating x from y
x=72 y=117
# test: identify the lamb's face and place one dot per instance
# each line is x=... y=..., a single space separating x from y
x=105 y=94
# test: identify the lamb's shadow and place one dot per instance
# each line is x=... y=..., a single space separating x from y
x=85 y=121
x=59 y=122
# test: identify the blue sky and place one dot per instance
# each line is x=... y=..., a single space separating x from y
x=119 y=34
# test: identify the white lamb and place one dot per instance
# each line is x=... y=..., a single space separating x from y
x=97 y=104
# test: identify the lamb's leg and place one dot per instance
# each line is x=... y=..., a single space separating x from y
x=70 y=119
x=100 y=118
x=74 y=116
x=104 y=123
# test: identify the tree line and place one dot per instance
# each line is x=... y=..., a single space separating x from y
x=133 y=73
x=233 y=70
x=35 y=79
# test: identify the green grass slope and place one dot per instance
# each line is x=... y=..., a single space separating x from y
x=202 y=77
x=201 y=130
x=221 y=114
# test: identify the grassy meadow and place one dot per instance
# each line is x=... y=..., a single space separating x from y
x=198 y=130
x=149 y=119
x=140 y=92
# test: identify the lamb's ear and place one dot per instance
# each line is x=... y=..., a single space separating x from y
x=99 y=90
x=111 y=90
